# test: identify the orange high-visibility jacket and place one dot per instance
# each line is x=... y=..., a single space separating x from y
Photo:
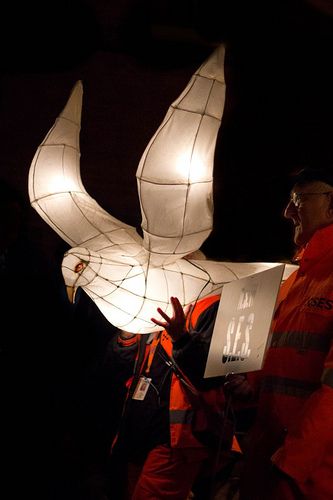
x=295 y=411
x=180 y=408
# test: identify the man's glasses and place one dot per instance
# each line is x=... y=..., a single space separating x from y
x=297 y=198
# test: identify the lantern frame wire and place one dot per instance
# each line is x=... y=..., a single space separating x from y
x=127 y=276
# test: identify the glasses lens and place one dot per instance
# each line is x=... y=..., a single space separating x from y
x=295 y=198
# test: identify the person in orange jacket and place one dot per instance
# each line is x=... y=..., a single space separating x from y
x=156 y=431
x=290 y=447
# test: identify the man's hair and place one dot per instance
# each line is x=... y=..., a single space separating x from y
x=309 y=174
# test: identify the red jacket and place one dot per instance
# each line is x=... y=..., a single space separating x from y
x=295 y=412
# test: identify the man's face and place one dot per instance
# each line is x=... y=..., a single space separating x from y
x=310 y=208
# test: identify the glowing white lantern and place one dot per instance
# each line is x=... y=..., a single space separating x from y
x=127 y=277
x=175 y=174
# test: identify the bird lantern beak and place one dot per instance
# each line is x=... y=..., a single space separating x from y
x=71 y=292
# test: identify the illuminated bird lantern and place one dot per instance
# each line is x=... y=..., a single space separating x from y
x=126 y=276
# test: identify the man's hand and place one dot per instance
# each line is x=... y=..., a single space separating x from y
x=175 y=326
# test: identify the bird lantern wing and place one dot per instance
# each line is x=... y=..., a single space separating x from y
x=175 y=173
x=56 y=191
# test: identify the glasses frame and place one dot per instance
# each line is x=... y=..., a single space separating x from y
x=296 y=197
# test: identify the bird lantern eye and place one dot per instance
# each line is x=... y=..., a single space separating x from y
x=80 y=266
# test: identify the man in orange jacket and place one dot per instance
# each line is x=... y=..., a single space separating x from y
x=156 y=432
x=290 y=448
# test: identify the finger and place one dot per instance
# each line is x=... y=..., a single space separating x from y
x=163 y=314
x=175 y=303
x=177 y=307
x=188 y=309
x=158 y=322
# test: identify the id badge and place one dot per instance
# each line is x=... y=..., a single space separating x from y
x=141 y=388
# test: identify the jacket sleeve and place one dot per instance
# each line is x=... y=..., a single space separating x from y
x=120 y=356
x=306 y=444
x=191 y=351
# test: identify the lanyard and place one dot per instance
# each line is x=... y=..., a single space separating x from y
x=151 y=351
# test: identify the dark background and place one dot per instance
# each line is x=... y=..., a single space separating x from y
x=134 y=58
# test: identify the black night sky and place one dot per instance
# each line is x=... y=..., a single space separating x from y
x=134 y=58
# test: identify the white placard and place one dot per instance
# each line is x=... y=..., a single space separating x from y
x=243 y=323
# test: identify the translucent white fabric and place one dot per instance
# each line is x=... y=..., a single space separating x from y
x=126 y=276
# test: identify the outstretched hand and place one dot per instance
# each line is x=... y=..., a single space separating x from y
x=175 y=326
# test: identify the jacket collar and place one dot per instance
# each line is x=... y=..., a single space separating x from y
x=319 y=245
